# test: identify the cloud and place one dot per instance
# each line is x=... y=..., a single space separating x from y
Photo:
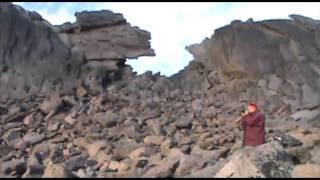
x=55 y=13
x=176 y=25
x=261 y=11
x=59 y=18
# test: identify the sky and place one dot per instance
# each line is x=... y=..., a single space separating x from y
x=175 y=25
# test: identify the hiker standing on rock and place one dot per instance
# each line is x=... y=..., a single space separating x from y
x=252 y=122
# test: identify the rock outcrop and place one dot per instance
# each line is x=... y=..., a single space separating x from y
x=105 y=40
x=273 y=62
x=32 y=55
x=90 y=52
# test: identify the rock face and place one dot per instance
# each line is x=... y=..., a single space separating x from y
x=32 y=55
x=263 y=50
x=273 y=62
x=91 y=52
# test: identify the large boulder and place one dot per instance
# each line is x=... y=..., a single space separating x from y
x=267 y=160
x=119 y=41
x=235 y=168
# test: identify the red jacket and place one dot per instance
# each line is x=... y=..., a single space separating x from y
x=253 y=127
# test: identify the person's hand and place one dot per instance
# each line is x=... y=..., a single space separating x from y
x=245 y=113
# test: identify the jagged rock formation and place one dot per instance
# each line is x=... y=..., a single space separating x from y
x=34 y=58
x=273 y=62
x=105 y=40
x=118 y=124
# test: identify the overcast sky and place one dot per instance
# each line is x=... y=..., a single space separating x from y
x=174 y=25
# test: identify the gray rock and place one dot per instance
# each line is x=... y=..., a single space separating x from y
x=184 y=123
x=34 y=16
x=123 y=147
x=209 y=154
x=93 y=148
x=273 y=160
x=166 y=145
x=34 y=167
x=300 y=154
x=57 y=171
x=3 y=110
x=157 y=140
x=132 y=133
x=164 y=170
x=18 y=166
x=186 y=149
x=12 y=136
x=155 y=126
x=94 y=19
x=315 y=153
x=274 y=83
x=66 y=27
x=197 y=105
x=53 y=127
x=76 y=162
x=108 y=119
x=305 y=21
x=188 y=164
x=267 y=160
x=207 y=172
x=310 y=97
x=81 y=173
x=286 y=140
x=33 y=138
x=4 y=150
x=43 y=150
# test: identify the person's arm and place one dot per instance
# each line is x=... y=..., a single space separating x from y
x=239 y=119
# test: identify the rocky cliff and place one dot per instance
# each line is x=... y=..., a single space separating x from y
x=71 y=107
x=37 y=57
x=273 y=62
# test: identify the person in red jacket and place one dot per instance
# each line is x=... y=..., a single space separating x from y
x=253 y=123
